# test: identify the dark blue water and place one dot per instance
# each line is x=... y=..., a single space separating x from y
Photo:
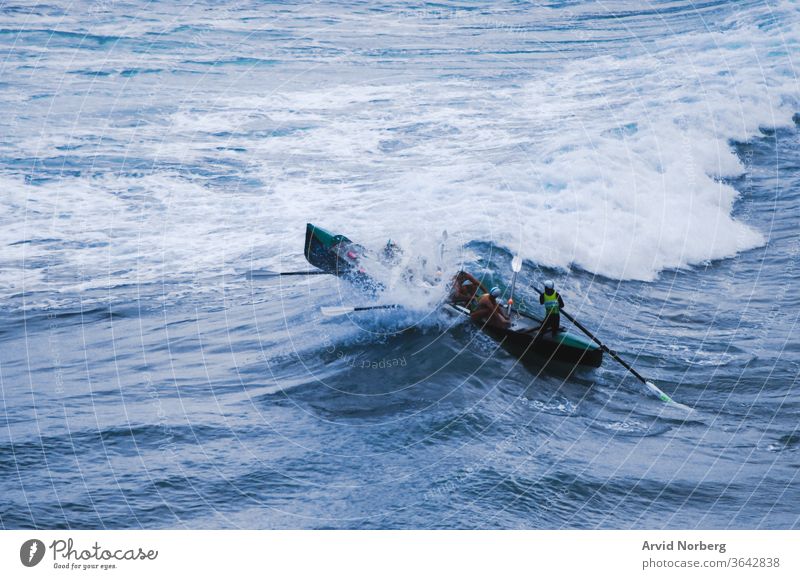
x=155 y=160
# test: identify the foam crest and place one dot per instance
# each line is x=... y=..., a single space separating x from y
x=613 y=162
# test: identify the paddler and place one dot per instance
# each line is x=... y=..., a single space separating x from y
x=552 y=302
x=465 y=286
x=489 y=311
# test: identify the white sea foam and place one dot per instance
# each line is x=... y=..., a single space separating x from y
x=611 y=162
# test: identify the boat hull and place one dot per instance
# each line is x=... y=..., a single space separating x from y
x=337 y=255
x=320 y=250
x=525 y=342
x=529 y=345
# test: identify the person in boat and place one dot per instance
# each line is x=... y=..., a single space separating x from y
x=489 y=311
x=552 y=302
x=464 y=287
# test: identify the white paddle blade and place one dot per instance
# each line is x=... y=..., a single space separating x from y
x=664 y=397
x=333 y=311
x=656 y=391
x=516 y=264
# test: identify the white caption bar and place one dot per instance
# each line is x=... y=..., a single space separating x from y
x=406 y=554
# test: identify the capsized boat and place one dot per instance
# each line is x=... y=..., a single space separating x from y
x=338 y=255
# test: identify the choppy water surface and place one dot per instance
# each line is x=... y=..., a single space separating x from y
x=157 y=158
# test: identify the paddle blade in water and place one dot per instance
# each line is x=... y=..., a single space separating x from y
x=665 y=398
x=657 y=392
x=333 y=311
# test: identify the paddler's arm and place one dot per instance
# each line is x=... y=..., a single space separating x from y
x=473 y=279
x=560 y=302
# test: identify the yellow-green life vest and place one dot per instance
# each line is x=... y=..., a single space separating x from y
x=551 y=303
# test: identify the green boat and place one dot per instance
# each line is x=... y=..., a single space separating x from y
x=338 y=255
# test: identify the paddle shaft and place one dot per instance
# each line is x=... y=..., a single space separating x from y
x=603 y=347
x=386 y=307
x=315 y=272
x=511 y=294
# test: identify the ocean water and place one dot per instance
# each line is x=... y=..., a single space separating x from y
x=156 y=159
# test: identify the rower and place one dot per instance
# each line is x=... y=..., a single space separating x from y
x=465 y=286
x=553 y=303
x=489 y=311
